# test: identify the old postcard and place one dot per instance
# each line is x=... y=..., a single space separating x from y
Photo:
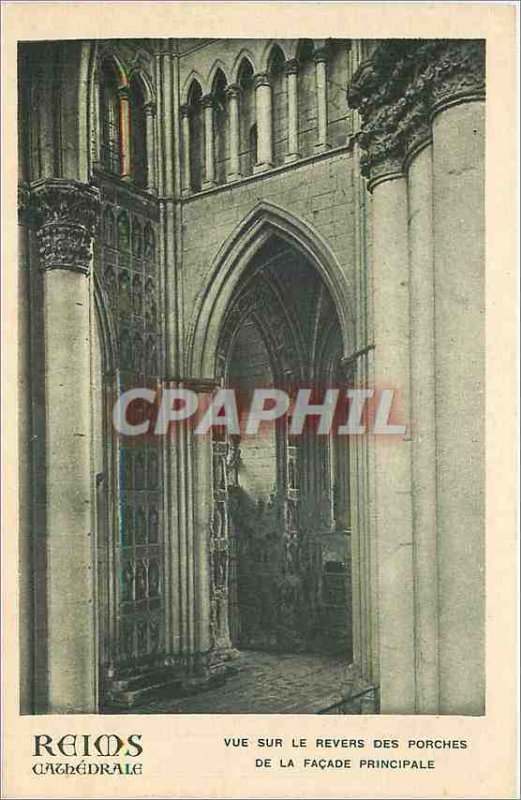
x=259 y=369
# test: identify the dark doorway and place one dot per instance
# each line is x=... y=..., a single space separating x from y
x=288 y=505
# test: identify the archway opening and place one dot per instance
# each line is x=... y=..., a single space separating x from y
x=138 y=135
x=289 y=570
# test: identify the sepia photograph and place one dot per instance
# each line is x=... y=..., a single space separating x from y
x=260 y=412
x=252 y=371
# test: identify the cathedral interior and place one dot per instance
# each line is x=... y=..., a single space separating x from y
x=251 y=213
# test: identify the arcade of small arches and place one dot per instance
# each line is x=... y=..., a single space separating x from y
x=125 y=123
x=258 y=119
x=231 y=127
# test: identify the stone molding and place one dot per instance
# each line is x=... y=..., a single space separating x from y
x=399 y=90
x=68 y=215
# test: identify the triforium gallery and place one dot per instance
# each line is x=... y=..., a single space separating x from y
x=199 y=214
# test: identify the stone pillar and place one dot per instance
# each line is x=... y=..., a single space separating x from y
x=69 y=210
x=291 y=70
x=124 y=124
x=441 y=98
x=26 y=560
x=150 y=115
x=264 y=123
x=209 y=162
x=232 y=93
x=393 y=453
x=320 y=57
x=423 y=424
x=185 y=133
x=458 y=129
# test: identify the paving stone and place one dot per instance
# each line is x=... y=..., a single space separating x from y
x=267 y=683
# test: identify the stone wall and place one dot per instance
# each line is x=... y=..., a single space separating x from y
x=318 y=191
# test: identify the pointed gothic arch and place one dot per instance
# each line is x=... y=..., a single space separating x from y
x=244 y=55
x=145 y=85
x=196 y=138
x=226 y=269
x=193 y=77
x=218 y=86
x=217 y=66
x=271 y=52
x=118 y=66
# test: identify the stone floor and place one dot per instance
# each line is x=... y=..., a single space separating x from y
x=268 y=683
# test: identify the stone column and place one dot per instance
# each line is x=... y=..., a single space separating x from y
x=264 y=123
x=209 y=161
x=458 y=129
x=69 y=210
x=382 y=163
x=393 y=454
x=443 y=98
x=150 y=115
x=26 y=560
x=186 y=110
x=320 y=57
x=423 y=423
x=124 y=125
x=232 y=93
x=291 y=70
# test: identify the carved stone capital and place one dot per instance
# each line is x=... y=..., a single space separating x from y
x=186 y=111
x=261 y=79
x=150 y=109
x=291 y=67
x=458 y=75
x=207 y=100
x=399 y=89
x=69 y=213
x=124 y=93
x=320 y=54
x=233 y=91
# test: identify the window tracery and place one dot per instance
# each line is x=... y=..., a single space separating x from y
x=126 y=126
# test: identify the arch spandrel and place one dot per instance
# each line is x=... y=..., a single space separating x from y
x=264 y=220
